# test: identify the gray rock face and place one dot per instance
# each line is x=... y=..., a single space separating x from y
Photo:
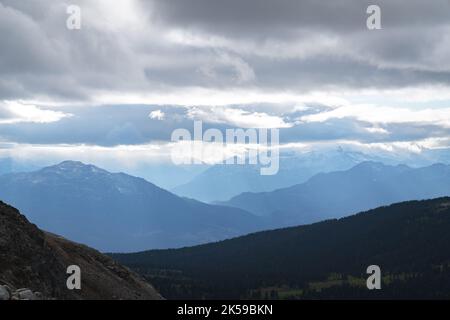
x=37 y=262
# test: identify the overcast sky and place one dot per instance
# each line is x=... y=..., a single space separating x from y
x=136 y=70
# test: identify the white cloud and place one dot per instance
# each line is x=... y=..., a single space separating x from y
x=237 y=117
x=383 y=115
x=17 y=112
x=157 y=114
x=376 y=130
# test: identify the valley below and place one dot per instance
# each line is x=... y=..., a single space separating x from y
x=326 y=260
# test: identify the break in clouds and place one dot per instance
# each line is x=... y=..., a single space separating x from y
x=137 y=70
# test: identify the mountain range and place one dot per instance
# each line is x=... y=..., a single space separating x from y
x=222 y=182
x=118 y=212
x=408 y=241
x=335 y=194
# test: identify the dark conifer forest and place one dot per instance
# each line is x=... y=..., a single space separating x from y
x=410 y=242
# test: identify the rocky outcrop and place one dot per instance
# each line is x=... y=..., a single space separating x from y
x=33 y=265
x=7 y=293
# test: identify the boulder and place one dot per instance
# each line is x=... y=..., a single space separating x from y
x=25 y=294
x=5 y=294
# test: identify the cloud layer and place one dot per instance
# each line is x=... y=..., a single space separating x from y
x=155 y=47
x=137 y=70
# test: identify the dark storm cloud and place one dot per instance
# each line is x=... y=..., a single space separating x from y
x=250 y=16
x=414 y=32
x=256 y=44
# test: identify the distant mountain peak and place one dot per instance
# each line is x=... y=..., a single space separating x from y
x=74 y=166
x=378 y=166
x=117 y=211
x=71 y=163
